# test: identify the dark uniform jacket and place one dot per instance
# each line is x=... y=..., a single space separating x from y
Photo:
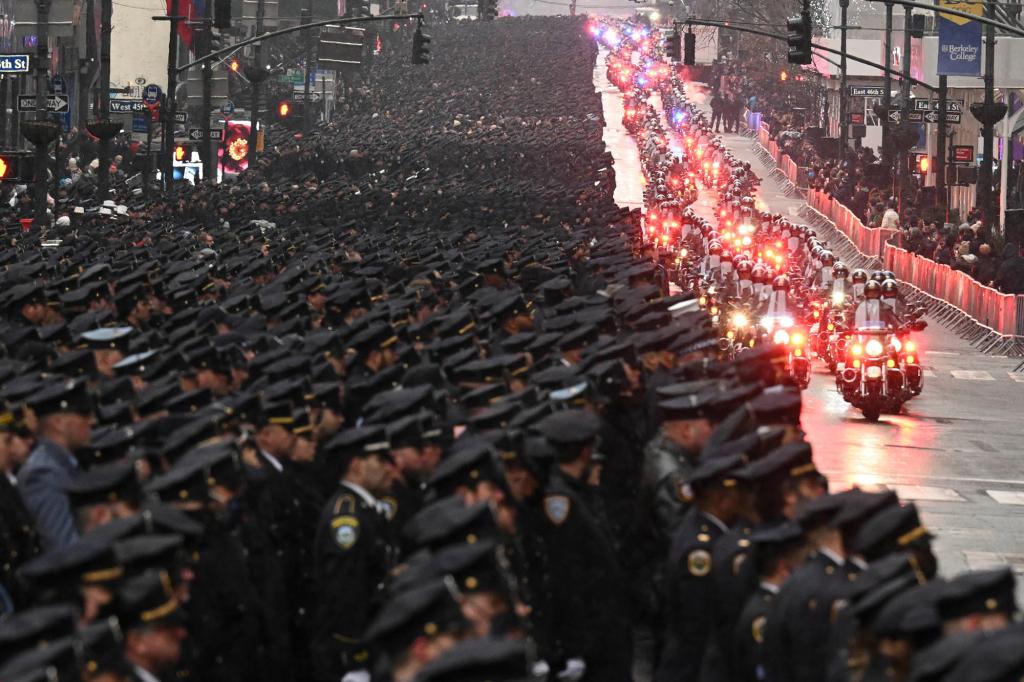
x=691 y=598
x=351 y=559
x=18 y=540
x=588 y=617
x=797 y=634
x=733 y=580
x=748 y=637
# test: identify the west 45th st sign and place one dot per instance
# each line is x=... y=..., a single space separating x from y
x=14 y=63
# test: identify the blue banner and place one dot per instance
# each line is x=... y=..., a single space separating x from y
x=959 y=40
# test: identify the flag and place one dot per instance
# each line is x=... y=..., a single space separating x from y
x=194 y=10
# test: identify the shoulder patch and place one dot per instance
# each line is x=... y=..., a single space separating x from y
x=757 y=628
x=346 y=531
x=556 y=508
x=345 y=504
x=699 y=563
x=737 y=562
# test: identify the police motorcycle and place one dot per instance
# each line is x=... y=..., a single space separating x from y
x=780 y=325
x=872 y=376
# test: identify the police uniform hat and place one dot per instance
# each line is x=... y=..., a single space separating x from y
x=75 y=363
x=423 y=610
x=469 y=464
x=87 y=561
x=570 y=427
x=717 y=472
x=860 y=506
x=154 y=518
x=140 y=553
x=821 y=510
x=775 y=541
x=792 y=460
x=496 y=660
x=777 y=406
x=70 y=395
x=54 y=661
x=449 y=520
x=932 y=663
x=24 y=294
x=497 y=416
x=189 y=402
x=388 y=405
x=360 y=441
x=867 y=608
x=697 y=386
x=891 y=529
x=474 y=567
x=977 y=592
x=106 y=338
x=107 y=444
x=107 y=483
x=146 y=600
x=996 y=658
x=911 y=614
x=24 y=630
x=405 y=432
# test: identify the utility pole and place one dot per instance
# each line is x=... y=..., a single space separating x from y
x=106 y=16
x=844 y=103
x=256 y=79
x=940 y=154
x=42 y=63
x=206 y=146
x=983 y=195
x=307 y=108
x=167 y=108
x=904 y=156
x=887 y=90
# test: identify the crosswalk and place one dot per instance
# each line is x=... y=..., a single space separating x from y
x=936 y=493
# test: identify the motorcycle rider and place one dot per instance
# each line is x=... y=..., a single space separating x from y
x=872 y=312
x=859 y=278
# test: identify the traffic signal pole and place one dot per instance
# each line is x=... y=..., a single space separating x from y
x=42 y=62
x=307 y=109
x=256 y=80
x=206 y=146
x=887 y=90
x=844 y=102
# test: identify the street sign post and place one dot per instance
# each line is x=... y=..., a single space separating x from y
x=14 y=63
x=58 y=85
x=856 y=118
x=198 y=134
x=963 y=154
x=57 y=104
x=866 y=91
x=952 y=105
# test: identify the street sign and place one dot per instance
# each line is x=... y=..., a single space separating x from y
x=54 y=103
x=198 y=134
x=915 y=117
x=58 y=85
x=856 y=118
x=866 y=91
x=301 y=96
x=14 y=63
x=963 y=153
x=952 y=105
x=151 y=95
x=933 y=116
x=140 y=122
x=126 y=106
x=894 y=116
x=180 y=117
x=227 y=108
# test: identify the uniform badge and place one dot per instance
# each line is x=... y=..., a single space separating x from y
x=557 y=508
x=699 y=563
x=389 y=507
x=737 y=562
x=346 y=531
x=757 y=629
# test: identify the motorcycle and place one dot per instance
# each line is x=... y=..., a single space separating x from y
x=872 y=379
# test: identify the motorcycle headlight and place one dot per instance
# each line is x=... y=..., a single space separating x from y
x=781 y=336
x=838 y=298
x=739 y=320
x=874 y=348
x=896 y=345
x=797 y=339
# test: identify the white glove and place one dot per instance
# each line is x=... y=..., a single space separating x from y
x=540 y=670
x=574 y=670
x=361 y=675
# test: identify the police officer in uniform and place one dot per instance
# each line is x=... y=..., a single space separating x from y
x=351 y=558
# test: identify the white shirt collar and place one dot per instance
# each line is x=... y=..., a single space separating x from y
x=362 y=492
x=832 y=555
x=770 y=587
x=144 y=674
x=715 y=520
x=274 y=461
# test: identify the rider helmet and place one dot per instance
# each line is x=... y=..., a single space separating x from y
x=889 y=288
x=839 y=270
x=873 y=290
x=781 y=283
x=859 y=276
x=878 y=276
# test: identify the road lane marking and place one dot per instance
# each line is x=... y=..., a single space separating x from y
x=1007 y=496
x=926 y=493
x=929 y=373
x=971 y=375
x=944 y=353
x=1017 y=376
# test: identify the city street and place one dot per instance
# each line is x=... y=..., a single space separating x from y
x=954 y=450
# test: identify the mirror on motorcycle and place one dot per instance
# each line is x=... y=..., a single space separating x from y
x=918 y=325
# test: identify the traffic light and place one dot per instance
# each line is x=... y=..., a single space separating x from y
x=783 y=76
x=799 y=38
x=284 y=108
x=673 y=46
x=689 y=48
x=920 y=163
x=363 y=8
x=222 y=14
x=16 y=167
x=420 y=51
x=235 y=65
x=180 y=152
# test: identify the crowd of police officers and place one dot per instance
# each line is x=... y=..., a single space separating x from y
x=431 y=411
